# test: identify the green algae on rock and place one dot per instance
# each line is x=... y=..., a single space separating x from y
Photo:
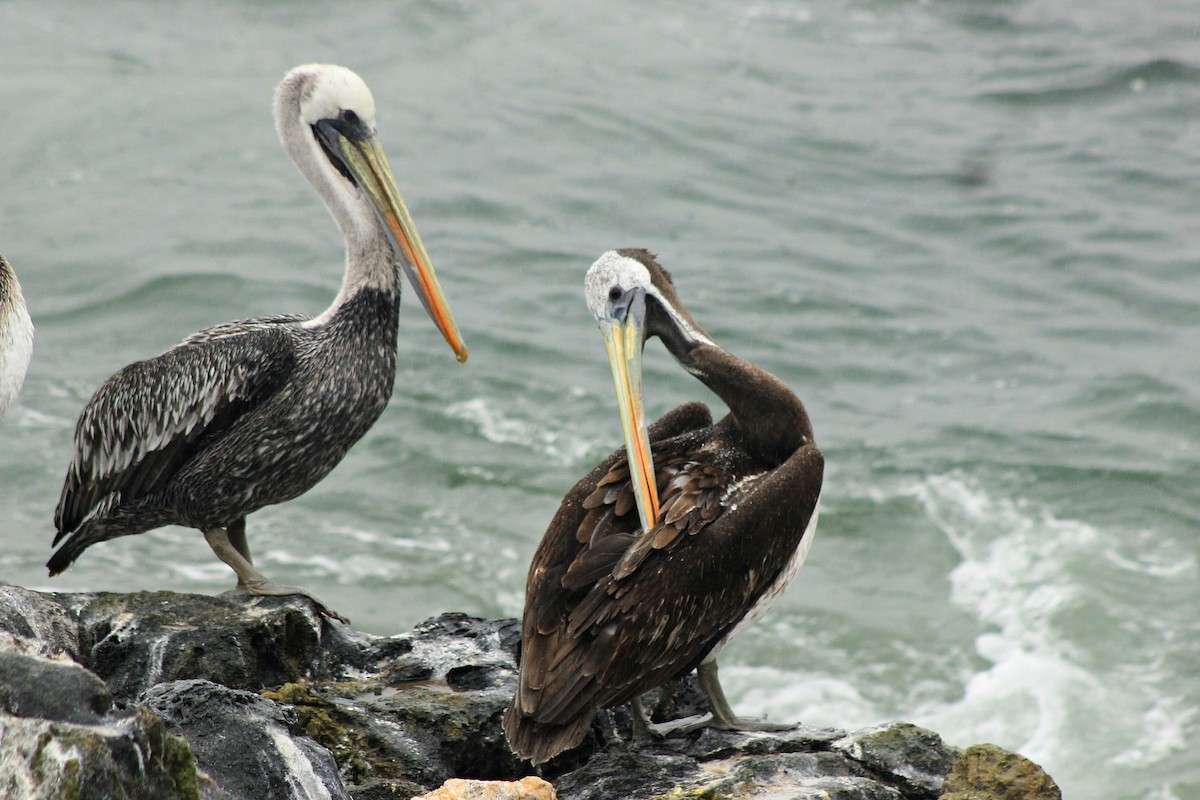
x=988 y=772
x=134 y=758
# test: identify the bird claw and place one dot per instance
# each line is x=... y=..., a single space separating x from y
x=747 y=724
x=326 y=611
x=267 y=588
x=700 y=721
x=682 y=725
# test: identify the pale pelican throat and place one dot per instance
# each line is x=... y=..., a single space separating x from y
x=655 y=561
x=16 y=336
x=256 y=412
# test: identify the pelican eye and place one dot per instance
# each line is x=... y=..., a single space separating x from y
x=334 y=158
x=615 y=293
x=350 y=117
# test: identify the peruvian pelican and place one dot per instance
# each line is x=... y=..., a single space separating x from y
x=255 y=412
x=16 y=336
x=652 y=564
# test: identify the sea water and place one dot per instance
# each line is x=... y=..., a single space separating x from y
x=964 y=232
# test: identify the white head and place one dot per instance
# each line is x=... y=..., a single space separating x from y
x=612 y=270
x=325 y=116
x=308 y=95
x=618 y=272
x=330 y=91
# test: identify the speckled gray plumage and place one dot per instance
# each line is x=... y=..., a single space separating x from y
x=250 y=413
x=234 y=418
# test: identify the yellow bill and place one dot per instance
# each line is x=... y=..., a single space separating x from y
x=370 y=167
x=623 y=341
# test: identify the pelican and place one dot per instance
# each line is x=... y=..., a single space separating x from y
x=652 y=565
x=16 y=336
x=255 y=412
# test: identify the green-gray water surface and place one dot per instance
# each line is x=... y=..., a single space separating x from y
x=964 y=232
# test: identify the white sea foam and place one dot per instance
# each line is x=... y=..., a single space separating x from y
x=501 y=428
x=1163 y=731
x=313 y=563
x=1046 y=693
x=1014 y=571
x=1146 y=552
x=208 y=572
x=1014 y=577
x=1167 y=792
x=778 y=13
x=1047 y=687
x=792 y=696
x=32 y=419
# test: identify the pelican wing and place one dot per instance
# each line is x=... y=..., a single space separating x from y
x=152 y=416
x=548 y=603
x=608 y=628
x=241 y=327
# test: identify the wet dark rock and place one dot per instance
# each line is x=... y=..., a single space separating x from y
x=249 y=745
x=722 y=765
x=40 y=623
x=169 y=696
x=55 y=689
x=132 y=756
x=88 y=659
x=137 y=641
x=712 y=745
x=474 y=676
x=917 y=758
x=388 y=729
x=134 y=641
x=627 y=774
x=807 y=775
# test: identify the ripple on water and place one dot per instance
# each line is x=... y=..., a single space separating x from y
x=1099 y=86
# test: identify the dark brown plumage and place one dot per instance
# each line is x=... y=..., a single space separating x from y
x=611 y=611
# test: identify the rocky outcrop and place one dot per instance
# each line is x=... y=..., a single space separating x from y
x=130 y=756
x=166 y=696
x=987 y=772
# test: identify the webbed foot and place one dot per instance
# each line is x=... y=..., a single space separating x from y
x=263 y=587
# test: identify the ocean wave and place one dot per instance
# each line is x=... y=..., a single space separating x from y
x=502 y=428
x=1066 y=666
x=1012 y=574
x=1060 y=695
x=1163 y=731
x=1135 y=78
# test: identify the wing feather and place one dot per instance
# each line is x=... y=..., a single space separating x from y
x=149 y=418
x=605 y=618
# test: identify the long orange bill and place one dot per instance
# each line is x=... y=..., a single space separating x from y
x=370 y=167
x=623 y=340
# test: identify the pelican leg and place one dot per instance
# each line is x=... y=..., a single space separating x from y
x=681 y=725
x=250 y=580
x=237 y=538
x=722 y=716
x=643 y=720
x=639 y=718
x=722 y=713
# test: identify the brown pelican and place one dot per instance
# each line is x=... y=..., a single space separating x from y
x=256 y=412
x=649 y=568
x=16 y=336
